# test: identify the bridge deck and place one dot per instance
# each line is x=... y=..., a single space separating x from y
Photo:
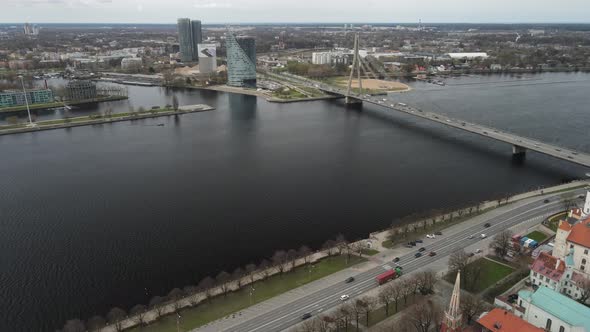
x=570 y=155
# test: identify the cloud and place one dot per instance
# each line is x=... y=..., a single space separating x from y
x=209 y=4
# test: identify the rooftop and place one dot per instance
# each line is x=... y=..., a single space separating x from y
x=580 y=233
x=562 y=307
x=502 y=320
x=549 y=266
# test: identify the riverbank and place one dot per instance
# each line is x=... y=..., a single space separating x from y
x=100 y=119
x=263 y=94
x=60 y=104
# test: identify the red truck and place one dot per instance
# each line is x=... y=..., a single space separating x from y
x=386 y=276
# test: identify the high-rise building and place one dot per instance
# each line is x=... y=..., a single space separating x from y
x=241 y=61
x=207 y=58
x=189 y=37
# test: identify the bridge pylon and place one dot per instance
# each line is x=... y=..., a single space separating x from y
x=355 y=68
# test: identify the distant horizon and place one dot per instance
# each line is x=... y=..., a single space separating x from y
x=305 y=23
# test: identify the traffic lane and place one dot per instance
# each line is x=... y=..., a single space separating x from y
x=428 y=259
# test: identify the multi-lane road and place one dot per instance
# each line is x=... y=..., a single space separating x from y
x=288 y=315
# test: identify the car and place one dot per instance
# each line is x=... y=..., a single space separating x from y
x=471 y=237
x=306 y=316
x=581 y=197
x=419 y=241
x=485 y=132
x=487 y=225
x=395 y=260
x=344 y=297
x=418 y=255
x=483 y=236
x=421 y=249
x=478 y=251
x=432 y=253
x=409 y=246
x=558 y=150
x=430 y=236
x=546 y=201
x=413 y=243
x=349 y=280
x=570 y=157
x=438 y=233
x=471 y=254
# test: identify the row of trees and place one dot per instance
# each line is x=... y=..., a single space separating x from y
x=279 y=263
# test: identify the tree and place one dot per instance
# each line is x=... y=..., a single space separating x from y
x=116 y=317
x=569 y=201
x=472 y=306
x=406 y=289
x=175 y=103
x=357 y=311
x=426 y=280
x=367 y=304
x=385 y=297
x=341 y=243
x=329 y=246
x=74 y=325
x=292 y=257
x=192 y=291
x=584 y=286
x=279 y=259
x=304 y=252
x=264 y=268
x=396 y=293
x=223 y=279
x=501 y=243
x=458 y=260
x=251 y=271
x=175 y=296
x=345 y=313
x=139 y=312
x=95 y=323
x=207 y=286
x=423 y=316
x=156 y=305
x=237 y=275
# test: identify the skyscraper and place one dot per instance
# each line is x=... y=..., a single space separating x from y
x=241 y=61
x=189 y=36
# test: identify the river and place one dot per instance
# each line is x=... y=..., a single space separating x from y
x=111 y=215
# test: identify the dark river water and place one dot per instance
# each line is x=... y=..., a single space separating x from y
x=91 y=217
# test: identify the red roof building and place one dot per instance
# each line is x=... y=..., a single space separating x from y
x=500 y=320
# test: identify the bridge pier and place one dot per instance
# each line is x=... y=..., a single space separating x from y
x=518 y=151
x=352 y=100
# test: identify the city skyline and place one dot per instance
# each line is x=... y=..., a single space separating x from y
x=266 y=11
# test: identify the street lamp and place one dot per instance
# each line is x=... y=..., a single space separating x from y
x=177 y=322
x=252 y=289
x=31 y=124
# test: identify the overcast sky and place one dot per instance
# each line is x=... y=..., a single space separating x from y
x=248 y=11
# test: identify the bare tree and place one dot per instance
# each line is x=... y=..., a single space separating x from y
x=116 y=317
x=423 y=316
x=292 y=257
x=192 y=291
x=458 y=260
x=237 y=275
x=279 y=259
x=357 y=311
x=207 y=286
x=264 y=268
x=341 y=243
x=368 y=305
x=345 y=314
x=139 y=312
x=501 y=243
x=385 y=297
x=329 y=246
x=569 y=201
x=175 y=296
x=74 y=325
x=223 y=279
x=175 y=103
x=304 y=252
x=406 y=288
x=95 y=323
x=584 y=286
x=156 y=304
x=357 y=248
x=470 y=276
x=396 y=293
x=426 y=281
x=251 y=271
x=472 y=306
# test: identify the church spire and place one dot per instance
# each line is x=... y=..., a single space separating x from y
x=452 y=322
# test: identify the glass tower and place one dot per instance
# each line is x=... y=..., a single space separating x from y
x=189 y=36
x=241 y=61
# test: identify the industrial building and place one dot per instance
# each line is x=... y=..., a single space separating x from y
x=241 y=61
x=81 y=90
x=189 y=37
x=332 y=58
x=11 y=98
x=207 y=58
x=131 y=63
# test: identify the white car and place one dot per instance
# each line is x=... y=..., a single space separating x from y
x=344 y=297
x=471 y=237
x=483 y=236
x=430 y=236
x=478 y=251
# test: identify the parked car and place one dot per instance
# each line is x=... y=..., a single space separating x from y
x=471 y=237
x=471 y=254
x=349 y=280
x=432 y=253
x=421 y=249
x=430 y=236
x=395 y=260
x=344 y=297
x=438 y=233
x=306 y=316
x=418 y=255
x=487 y=225
x=483 y=236
x=478 y=251
x=546 y=201
x=409 y=246
x=419 y=241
